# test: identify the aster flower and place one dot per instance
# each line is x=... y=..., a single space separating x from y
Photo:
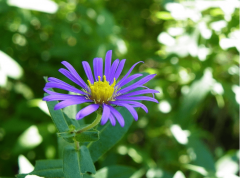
x=102 y=91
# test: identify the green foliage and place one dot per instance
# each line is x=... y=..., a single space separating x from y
x=57 y=117
x=47 y=168
x=88 y=136
x=204 y=157
x=194 y=52
x=115 y=171
x=76 y=162
x=197 y=92
x=109 y=136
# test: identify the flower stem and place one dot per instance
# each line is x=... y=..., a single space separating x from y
x=76 y=143
x=93 y=124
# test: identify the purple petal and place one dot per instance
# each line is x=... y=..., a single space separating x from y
x=63 y=87
x=50 y=92
x=112 y=71
x=59 y=96
x=140 y=92
x=108 y=62
x=66 y=103
x=128 y=72
x=112 y=119
x=53 y=79
x=152 y=93
x=133 y=103
x=88 y=71
x=66 y=73
x=119 y=69
x=98 y=68
x=86 y=111
x=129 y=79
x=56 y=93
x=117 y=115
x=105 y=114
x=74 y=73
x=137 y=84
x=137 y=98
x=130 y=109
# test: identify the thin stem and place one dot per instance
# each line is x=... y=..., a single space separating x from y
x=93 y=124
x=76 y=143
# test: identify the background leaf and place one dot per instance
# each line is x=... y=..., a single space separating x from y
x=204 y=157
x=177 y=40
x=47 y=168
x=197 y=92
x=115 y=171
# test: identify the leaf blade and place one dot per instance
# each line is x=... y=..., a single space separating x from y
x=71 y=163
x=46 y=168
x=115 y=171
x=57 y=116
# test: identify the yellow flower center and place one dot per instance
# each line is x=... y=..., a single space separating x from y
x=101 y=92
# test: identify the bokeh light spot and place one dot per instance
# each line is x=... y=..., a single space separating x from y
x=164 y=106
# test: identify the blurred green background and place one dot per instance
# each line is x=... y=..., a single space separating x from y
x=193 y=48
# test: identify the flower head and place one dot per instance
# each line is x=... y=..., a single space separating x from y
x=102 y=93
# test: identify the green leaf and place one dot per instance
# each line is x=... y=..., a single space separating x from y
x=62 y=143
x=197 y=169
x=57 y=116
x=115 y=172
x=204 y=157
x=70 y=115
x=110 y=135
x=67 y=136
x=46 y=168
x=87 y=176
x=71 y=163
x=20 y=176
x=86 y=161
x=77 y=162
x=88 y=136
x=198 y=91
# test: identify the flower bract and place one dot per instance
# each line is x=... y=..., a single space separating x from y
x=103 y=91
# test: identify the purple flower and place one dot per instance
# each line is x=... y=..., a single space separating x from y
x=102 y=90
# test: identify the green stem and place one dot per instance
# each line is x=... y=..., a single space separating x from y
x=76 y=143
x=93 y=124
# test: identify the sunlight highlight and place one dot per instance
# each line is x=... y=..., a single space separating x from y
x=9 y=68
x=38 y=5
x=24 y=165
x=164 y=106
x=30 y=138
x=180 y=135
x=40 y=104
